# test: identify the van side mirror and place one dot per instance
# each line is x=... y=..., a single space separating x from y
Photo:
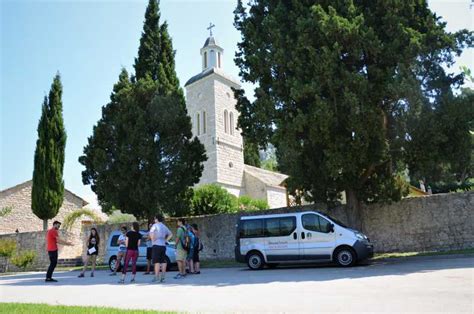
x=330 y=228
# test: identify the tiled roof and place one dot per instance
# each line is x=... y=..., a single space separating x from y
x=270 y=178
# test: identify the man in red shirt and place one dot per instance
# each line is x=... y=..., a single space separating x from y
x=52 y=240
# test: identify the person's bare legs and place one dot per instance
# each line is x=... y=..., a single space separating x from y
x=157 y=271
x=120 y=255
x=94 y=260
x=197 y=267
x=181 y=267
x=148 y=266
x=191 y=266
x=86 y=261
x=163 y=271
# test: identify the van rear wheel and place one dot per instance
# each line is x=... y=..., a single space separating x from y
x=345 y=257
x=255 y=261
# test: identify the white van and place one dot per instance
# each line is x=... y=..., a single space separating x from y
x=305 y=237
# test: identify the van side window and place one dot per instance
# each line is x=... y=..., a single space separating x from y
x=279 y=227
x=252 y=228
x=315 y=223
x=114 y=240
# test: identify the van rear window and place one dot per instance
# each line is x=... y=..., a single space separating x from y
x=252 y=228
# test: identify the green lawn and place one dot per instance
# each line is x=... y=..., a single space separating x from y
x=29 y=308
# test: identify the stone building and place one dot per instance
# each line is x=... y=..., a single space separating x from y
x=21 y=217
x=211 y=105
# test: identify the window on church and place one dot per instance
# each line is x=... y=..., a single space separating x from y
x=204 y=122
x=219 y=59
x=226 y=127
x=205 y=59
x=231 y=123
x=198 y=124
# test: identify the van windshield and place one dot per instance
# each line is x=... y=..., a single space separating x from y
x=335 y=220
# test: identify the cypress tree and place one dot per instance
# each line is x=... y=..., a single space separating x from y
x=143 y=158
x=149 y=51
x=48 y=185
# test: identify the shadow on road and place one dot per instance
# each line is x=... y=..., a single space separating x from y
x=223 y=277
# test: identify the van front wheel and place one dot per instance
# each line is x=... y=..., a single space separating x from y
x=255 y=261
x=345 y=257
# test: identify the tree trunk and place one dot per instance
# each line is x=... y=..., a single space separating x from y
x=45 y=224
x=353 y=210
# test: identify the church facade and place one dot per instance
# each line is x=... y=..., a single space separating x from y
x=211 y=104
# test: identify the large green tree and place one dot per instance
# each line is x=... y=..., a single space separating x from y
x=48 y=185
x=142 y=157
x=337 y=84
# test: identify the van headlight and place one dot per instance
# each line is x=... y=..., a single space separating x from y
x=361 y=236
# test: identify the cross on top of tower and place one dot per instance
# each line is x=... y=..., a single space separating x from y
x=210 y=28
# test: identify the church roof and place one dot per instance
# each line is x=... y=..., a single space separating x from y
x=210 y=41
x=208 y=72
x=269 y=178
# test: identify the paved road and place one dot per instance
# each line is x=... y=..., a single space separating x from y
x=414 y=285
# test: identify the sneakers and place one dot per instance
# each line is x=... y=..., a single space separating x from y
x=179 y=276
x=147 y=273
x=132 y=280
x=81 y=275
x=92 y=274
x=196 y=272
x=50 y=280
x=162 y=279
x=155 y=279
x=113 y=274
x=121 y=281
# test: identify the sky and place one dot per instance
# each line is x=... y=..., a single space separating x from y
x=89 y=42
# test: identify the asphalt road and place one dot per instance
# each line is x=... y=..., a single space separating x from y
x=415 y=285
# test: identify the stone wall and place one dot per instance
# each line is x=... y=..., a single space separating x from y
x=36 y=241
x=437 y=222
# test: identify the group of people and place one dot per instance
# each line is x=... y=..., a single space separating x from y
x=187 y=243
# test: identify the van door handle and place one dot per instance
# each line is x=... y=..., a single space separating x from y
x=302 y=235
x=295 y=235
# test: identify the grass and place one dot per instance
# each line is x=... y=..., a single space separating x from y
x=28 y=308
x=429 y=253
x=220 y=264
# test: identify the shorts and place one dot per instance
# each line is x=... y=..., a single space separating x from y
x=196 y=256
x=148 y=253
x=158 y=254
x=181 y=254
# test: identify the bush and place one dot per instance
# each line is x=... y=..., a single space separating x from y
x=118 y=217
x=23 y=259
x=7 y=247
x=212 y=199
x=250 y=204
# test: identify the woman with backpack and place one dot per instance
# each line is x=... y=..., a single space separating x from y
x=197 y=248
x=92 y=251
x=132 y=242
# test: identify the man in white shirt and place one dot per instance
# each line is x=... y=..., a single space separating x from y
x=159 y=235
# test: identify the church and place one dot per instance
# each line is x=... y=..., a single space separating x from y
x=211 y=105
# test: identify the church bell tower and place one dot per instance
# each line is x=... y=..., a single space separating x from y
x=211 y=105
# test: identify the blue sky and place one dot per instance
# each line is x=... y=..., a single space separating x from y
x=88 y=42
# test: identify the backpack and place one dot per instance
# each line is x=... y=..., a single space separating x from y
x=185 y=241
x=198 y=244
